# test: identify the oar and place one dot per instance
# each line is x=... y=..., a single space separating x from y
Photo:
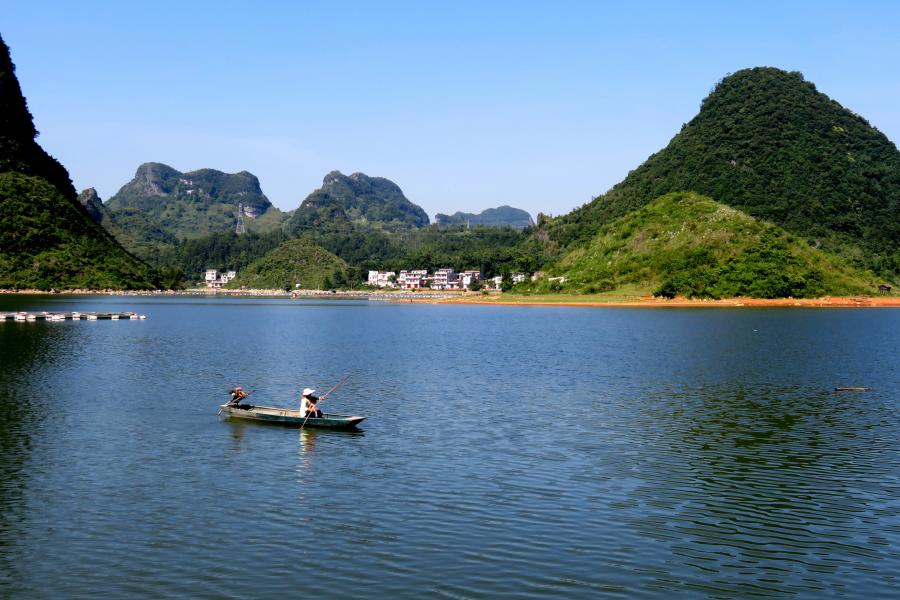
x=239 y=400
x=323 y=397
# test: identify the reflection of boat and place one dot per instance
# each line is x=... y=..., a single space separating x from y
x=288 y=416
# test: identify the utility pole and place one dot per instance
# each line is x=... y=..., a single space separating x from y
x=240 y=221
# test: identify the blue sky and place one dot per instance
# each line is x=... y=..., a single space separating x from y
x=466 y=106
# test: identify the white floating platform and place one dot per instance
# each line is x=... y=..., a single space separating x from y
x=70 y=316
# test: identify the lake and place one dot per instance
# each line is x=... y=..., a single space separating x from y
x=509 y=452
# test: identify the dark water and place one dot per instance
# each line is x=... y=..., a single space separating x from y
x=517 y=452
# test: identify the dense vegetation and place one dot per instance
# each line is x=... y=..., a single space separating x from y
x=489 y=249
x=492 y=217
x=225 y=251
x=293 y=263
x=195 y=204
x=137 y=231
x=345 y=203
x=768 y=143
x=48 y=242
x=686 y=244
x=47 y=237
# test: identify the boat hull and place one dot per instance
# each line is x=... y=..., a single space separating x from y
x=287 y=416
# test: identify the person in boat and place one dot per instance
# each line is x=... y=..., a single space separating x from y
x=237 y=394
x=308 y=404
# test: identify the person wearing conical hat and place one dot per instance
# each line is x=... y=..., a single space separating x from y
x=308 y=404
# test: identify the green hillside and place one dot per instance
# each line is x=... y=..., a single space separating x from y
x=197 y=203
x=768 y=143
x=293 y=262
x=47 y=241
x=47 y=237
x=225 y=251
x=356 y=201
x=137 y=231
x=491 y=217
x=687 y=244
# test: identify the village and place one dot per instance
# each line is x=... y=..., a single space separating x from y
x=443 y=279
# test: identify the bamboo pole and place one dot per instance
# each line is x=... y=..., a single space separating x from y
x=323 y=398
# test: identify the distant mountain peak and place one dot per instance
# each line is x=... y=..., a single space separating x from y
x=347 y=201
x=193 y=203
x=492 y=217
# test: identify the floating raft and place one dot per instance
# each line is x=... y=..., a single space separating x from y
x=69 y=316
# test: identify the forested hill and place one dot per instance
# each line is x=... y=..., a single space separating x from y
x=345 y=202
x=47 y=238
x=492 y=217
x=685 y=244
x=197 y=203
x=132 y=227
x=768 y=143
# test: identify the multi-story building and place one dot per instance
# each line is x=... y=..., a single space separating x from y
x=381 y=278
x=413 y=280
x=468 y=278
x=442 y=278
x=216 y=280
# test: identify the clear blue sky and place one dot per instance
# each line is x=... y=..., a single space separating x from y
x=465 y=106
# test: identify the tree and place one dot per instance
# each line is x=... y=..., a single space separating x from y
x=506 y=284
x=476 y=285
x=526 y=264
x=173 y=279
x=326 y=283
x=339 y=279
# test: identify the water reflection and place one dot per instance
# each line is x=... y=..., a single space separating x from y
x=26 y=349
x=544 y=453
x=761 y=493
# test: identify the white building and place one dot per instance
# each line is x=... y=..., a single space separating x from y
x=442 y=278
x=214 y=280
x=519 y=277
x=413 y=280
x=381 y=278
x=468 y=278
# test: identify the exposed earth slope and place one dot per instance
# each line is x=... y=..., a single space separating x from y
x=687 y=244
x=768 y=143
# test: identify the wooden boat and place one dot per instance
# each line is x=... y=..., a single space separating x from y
x=288 y=416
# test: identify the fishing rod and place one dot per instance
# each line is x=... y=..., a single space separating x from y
x=323 y=397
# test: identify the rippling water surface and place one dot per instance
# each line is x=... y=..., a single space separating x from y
x=518 y=452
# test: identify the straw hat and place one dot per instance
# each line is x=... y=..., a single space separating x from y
x=308 y=391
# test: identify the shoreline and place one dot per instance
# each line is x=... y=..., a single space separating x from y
x=499 y=300
x=650 y=301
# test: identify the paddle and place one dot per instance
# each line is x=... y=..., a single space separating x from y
x=239 y=401
x=323 y=397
